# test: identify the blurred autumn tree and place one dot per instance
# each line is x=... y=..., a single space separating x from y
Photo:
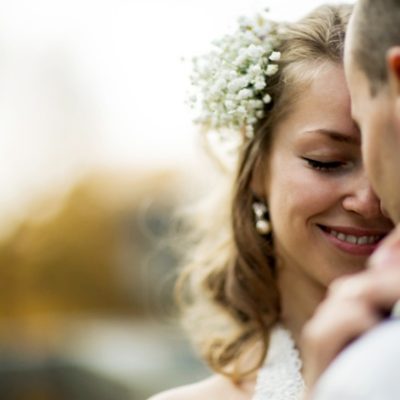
x=100 y=249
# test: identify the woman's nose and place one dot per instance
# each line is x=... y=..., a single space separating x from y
x=362 y=200
x=383 y=210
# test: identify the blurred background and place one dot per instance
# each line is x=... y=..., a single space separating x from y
x=98 y=155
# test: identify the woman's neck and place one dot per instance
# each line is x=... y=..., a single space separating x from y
x=300 y=295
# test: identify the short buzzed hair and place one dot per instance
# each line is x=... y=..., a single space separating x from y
x=376 y=29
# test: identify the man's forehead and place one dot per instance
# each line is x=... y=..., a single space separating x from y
x=352 y=72
x=348 y=44
x=358 y=88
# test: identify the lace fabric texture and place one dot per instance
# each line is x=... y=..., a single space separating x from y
x=280 y=377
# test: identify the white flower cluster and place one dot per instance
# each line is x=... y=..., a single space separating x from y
x=232 y=80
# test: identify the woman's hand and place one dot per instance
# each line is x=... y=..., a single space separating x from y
x=353 y=305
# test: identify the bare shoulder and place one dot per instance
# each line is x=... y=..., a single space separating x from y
x=214 y=388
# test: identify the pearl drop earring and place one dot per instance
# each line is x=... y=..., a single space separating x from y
x=261 y=216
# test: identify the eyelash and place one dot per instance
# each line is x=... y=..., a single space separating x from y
x=330 y=166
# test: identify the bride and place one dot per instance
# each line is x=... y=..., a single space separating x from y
x=302 y=212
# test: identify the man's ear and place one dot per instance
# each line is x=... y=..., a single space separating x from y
x=393 y=68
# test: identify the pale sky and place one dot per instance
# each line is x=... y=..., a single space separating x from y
x=101 y=83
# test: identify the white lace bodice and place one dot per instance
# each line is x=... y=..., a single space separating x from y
x=280 y=377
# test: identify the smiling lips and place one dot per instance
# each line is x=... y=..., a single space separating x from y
x=352 y=240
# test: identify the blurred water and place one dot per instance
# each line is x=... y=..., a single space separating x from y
x=95 y=357
x=146 y=356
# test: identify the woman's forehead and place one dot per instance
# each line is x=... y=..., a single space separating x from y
x=325 y=103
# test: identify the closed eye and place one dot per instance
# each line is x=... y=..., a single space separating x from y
x=324 y=166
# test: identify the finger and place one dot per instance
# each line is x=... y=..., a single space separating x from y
x=379 y=290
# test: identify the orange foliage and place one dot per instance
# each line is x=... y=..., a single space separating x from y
x=69 y=262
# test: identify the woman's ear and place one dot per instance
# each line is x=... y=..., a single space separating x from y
x=393 y=69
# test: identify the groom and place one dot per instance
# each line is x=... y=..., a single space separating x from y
x=368 y=368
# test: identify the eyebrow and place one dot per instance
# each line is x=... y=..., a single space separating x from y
x=337 y=136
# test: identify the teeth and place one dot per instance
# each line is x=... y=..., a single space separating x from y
x=340 y=236
x=363 y=240
x=355 y=239
x=351 y=239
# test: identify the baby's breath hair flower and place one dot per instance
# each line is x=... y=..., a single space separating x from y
x=231 y=81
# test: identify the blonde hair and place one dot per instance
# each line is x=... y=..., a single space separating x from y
x=228 y=291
